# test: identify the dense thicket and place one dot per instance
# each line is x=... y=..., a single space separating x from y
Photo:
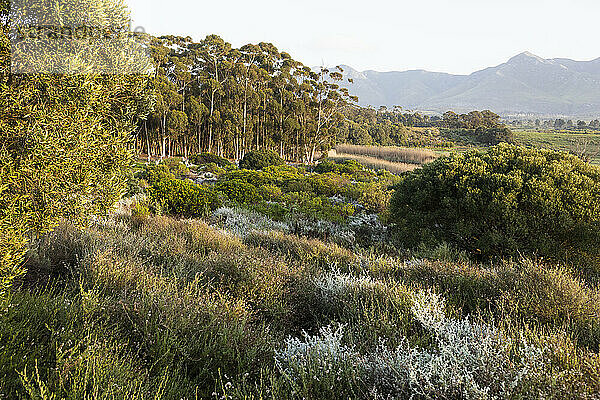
x=218 y=99
x=367 y=126
x=63 y=139
x=508 y=201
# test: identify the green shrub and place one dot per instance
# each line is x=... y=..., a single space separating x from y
x=140 y=212
x=260 y=159
x=209 y=158
x=328 y=184
x=239 y=191
x=504 y=202
x=65 y=139
x=343 y=167
x=492 y=136
x=183 y=198
x=270 y=192
x=175 y=166
x=318 y=207
x=213 y=169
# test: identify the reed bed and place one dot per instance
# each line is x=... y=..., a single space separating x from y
x=377 y=163
x=393 y=154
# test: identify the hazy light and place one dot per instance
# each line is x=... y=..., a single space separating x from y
x=458 y=36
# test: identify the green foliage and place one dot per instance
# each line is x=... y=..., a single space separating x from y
x=493 y=136
x=342 y=167
x=164 y=308
x=64 y=141
x=332 y=196
x=473 y=120
x=208 y=158
x=239 y=191
x=212 y=97
x=383 y=127
x=259 y=159
x=175 y=166
x=181 y=198
x=504 y=202
x=318 y=207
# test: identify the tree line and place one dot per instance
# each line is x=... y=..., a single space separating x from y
x=212 y=97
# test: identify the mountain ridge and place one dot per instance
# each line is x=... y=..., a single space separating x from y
x=525 y=84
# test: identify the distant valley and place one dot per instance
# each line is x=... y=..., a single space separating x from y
x=525 y=84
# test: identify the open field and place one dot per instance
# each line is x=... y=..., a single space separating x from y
x=579 y=143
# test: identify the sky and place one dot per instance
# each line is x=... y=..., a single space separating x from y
x=454 y=36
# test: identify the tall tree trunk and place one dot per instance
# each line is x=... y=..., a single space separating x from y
x=147 y=140
x=163 y=150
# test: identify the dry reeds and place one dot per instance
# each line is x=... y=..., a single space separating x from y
x=387 y=153
x=377 y=164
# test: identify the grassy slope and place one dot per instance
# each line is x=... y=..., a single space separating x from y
x=159 y=308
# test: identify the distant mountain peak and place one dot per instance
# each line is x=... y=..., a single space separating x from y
x=526 y=83
x=528 y=57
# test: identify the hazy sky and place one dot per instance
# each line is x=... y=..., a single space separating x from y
x=456 y=36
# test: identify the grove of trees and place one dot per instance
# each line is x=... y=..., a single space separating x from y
x=211 y=97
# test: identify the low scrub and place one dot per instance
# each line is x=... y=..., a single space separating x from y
x=209 y=158
x=161 y=308
x=260 y=159
x=182 y=198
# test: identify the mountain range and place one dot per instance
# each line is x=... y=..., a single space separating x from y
x=525 y=84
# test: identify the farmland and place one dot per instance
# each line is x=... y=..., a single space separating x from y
x=585 y=144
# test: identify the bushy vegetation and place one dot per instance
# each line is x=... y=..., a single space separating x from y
x=258 y=159
x=64 y=138
x=209 y=158
x=178 y=197
x=508 y=201
x=383 y=127
x=177 y=309
x=272 y=281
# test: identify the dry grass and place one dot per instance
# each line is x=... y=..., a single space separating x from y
x=392 y=154
x=377 y=164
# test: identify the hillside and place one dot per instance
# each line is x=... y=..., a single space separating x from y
x=524 y=84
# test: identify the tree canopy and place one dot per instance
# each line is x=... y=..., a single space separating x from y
x=214 y=98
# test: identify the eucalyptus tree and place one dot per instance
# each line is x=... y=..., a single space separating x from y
x=327 y=101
